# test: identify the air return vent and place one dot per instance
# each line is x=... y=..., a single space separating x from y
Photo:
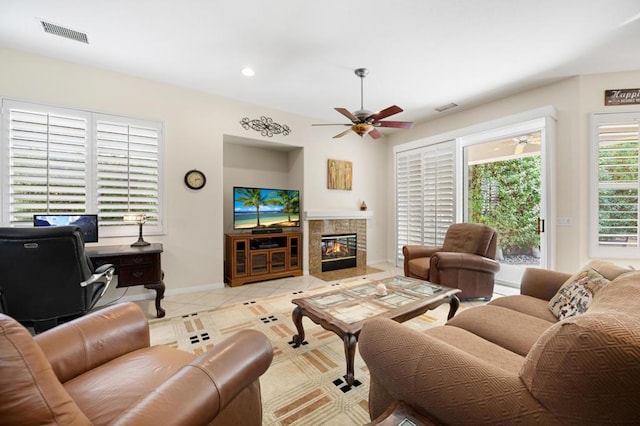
x=64 y=32
x=446 y=107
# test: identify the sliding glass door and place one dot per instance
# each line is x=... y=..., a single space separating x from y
x=504 y=188
x=497 y=176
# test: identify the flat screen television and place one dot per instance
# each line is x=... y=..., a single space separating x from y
x=87 y=222
x=265 y=208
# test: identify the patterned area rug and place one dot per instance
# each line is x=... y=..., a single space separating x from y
x=304 y=385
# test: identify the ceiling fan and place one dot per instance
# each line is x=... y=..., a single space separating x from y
x=364 y=122
x=522 y=142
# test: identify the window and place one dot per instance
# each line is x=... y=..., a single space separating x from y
x=127 y=169
x=58 y=160
x=614 y=185
x=425 y=195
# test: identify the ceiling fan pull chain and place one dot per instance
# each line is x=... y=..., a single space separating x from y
x=361 y=92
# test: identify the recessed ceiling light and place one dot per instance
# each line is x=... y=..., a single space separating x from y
x=248 y=72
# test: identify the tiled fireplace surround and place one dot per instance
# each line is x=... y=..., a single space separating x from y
x=318 y=228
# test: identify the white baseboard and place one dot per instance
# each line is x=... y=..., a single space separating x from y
x=148 y=294
x=379 y=262
x=194 y=289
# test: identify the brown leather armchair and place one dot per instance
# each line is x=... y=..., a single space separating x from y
x=466 y=260
x=100 y=369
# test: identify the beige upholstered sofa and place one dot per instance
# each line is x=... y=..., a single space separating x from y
x=100 y=370
x=512 y=361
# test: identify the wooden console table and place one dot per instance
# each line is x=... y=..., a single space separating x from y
x=134 y=266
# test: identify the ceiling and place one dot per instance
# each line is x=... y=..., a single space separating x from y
x=421 y=54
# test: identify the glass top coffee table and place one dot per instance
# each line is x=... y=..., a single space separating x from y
x=345 y=311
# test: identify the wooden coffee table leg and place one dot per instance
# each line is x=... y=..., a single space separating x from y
x=453 y=306
x=350 y=342
x=296 y=316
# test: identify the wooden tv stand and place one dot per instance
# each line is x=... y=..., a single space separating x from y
x=258 y=257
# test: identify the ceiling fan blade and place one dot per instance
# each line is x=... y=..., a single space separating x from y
x=375 y=134
x=387 y=112
x=339 y=135
x=333 y=124
x=347 y=114
x=396 y=124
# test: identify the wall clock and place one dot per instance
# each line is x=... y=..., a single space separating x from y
x=195 y=179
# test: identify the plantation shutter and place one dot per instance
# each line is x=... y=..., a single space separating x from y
x=408 y=199
x=62 y=160
x=439 y=190
x=46 y=161
x=127 y=169
x=617 y=180
x=425 y=195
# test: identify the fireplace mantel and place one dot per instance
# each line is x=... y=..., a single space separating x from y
x=337 y=214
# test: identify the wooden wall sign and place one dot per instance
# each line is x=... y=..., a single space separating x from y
x=621 y=97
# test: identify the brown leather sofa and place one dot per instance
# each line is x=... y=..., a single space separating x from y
x=466 y=260
x=512 y=362
x=100 y=370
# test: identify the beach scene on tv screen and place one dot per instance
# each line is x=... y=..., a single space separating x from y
x=261 y=208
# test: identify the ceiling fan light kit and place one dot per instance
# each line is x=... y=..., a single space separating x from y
x=364 y=122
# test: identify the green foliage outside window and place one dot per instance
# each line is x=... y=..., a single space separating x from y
x=618 y=198
x=506 y=196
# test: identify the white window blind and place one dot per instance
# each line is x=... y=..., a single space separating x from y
x=614 y=194
x=127 y=170
x=46 y=158
x=425 y=195
x=60 y=160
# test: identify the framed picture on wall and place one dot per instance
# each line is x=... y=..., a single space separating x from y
x=339 y=174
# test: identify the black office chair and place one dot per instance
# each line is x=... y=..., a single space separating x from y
x=45 y=276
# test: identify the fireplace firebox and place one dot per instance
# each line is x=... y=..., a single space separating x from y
x=339 y=251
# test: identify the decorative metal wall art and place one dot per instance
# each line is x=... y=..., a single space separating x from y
x=266 y=126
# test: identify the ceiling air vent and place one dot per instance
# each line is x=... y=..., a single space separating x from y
x=64 y=32
x=446 y=107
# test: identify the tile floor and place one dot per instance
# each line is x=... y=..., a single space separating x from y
x=184 y=304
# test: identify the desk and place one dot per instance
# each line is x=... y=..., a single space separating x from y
x=134 y=266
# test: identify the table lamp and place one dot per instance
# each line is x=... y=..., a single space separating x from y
x=140 y=219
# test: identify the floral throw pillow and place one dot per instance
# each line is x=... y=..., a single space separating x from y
x=575 y=296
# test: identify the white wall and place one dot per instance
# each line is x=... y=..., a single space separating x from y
x=574 y=99
x=196 y=125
